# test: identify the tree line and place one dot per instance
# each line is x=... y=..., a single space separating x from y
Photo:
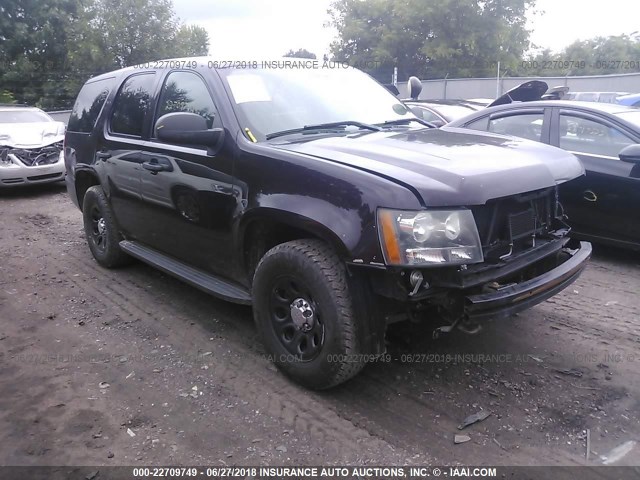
x=463 y=39
x=49 y=48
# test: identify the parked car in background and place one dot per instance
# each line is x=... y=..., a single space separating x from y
x=280 y=188
x=604 y=205
x=437 y=112
x=441 y=112
x=601 y=97
x=30 y=147
x=632 y=100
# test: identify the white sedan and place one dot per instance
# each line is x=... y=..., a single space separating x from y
x=30 y=147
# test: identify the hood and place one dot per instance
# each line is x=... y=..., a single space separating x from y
x=449 y=166
x=31 y=135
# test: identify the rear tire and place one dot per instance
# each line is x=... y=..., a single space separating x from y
x=101 y=229
x=305 y=314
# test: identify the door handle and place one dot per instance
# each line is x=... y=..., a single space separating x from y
x=154 y=166
x=589 y=196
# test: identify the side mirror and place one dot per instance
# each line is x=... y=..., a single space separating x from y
x=187 y=129
x=415 y=87
x=630 y=153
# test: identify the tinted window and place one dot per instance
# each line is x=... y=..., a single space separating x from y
x=186 y=92
x=480 y=124
x=526 y=125
x=131 y=105
x=581 y=135
x=88 y=105
x=24 y=116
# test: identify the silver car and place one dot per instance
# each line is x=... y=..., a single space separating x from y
x=30 y=147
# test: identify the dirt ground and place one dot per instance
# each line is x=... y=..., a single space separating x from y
x=132 y=367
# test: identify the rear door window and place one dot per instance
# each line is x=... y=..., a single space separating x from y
x=132 y=105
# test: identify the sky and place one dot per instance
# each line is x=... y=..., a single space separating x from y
x=267 y=29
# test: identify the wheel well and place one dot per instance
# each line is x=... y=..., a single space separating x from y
x=264 y=234
x=84 y=180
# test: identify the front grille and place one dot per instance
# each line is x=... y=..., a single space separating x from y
x=513 y=224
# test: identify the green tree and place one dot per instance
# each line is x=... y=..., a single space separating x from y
x=431 y=38
x=6 y=97
x=34 y=48
x=135 y=31
x=190 y=41
x=49 y=48
x=595 y=56
x=300 y=53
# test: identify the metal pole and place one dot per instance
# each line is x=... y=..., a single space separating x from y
x=445 y=85
x=498 y=81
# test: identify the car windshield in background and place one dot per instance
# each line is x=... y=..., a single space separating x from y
x=632 y=117
x=23 y=116
x=269 y=101
x=453 y=112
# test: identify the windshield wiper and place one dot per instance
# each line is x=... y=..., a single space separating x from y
x=404 y=121
x=325 y=126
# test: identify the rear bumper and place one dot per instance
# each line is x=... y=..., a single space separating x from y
x=514 y=298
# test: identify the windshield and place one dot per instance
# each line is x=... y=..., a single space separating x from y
x=453 y=112
x=23 y=116
x=269 y=101
x=632 y=117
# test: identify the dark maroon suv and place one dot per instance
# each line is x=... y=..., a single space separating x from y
x=274 y=184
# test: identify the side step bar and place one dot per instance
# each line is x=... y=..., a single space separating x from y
x=193 y=276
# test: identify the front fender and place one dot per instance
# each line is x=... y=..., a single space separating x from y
x=342 y=232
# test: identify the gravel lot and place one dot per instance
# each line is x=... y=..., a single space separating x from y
x=129 y=366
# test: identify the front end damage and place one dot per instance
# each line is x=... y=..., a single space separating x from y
x=528 y=257
x=24 y=166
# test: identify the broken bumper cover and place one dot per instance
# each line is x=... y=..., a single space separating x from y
x=17 y=173
x=514 y=298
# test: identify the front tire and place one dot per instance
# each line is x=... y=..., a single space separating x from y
x=305 y=314
x=101 y=229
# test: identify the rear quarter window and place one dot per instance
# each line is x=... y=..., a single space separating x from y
x=88 y=105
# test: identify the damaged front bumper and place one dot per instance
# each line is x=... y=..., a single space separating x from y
x=478 y=292
x=510 y=298
x=28 y=166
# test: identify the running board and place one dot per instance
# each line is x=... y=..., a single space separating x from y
x=193 y=276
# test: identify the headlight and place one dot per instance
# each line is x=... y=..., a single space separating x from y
x=434 y=237
x=5 y=161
